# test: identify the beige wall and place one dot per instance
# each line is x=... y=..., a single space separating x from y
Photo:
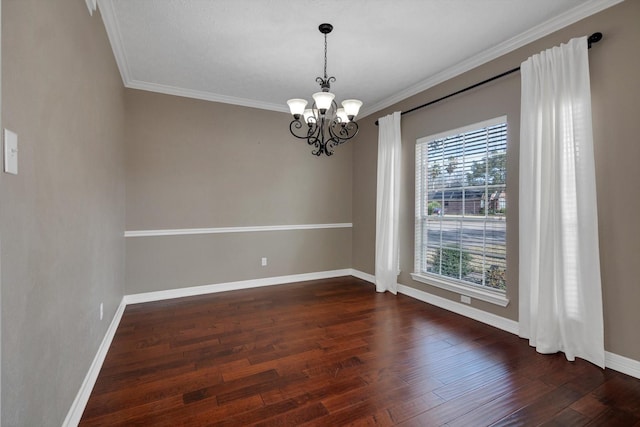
x=195 y=164
x=62 y=216
x=615 y=67
x=171 y=262
x=198 y=164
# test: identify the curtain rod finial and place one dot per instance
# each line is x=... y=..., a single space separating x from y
x=594 y=38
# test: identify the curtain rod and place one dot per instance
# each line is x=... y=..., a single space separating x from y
x=593 y=38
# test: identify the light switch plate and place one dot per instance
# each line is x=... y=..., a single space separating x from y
x=10 y=152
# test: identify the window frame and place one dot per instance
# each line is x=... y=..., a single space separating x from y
x=461 y=287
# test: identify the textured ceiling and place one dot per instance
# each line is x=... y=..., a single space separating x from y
x=260 y=53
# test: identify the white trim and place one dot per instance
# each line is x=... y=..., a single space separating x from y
x=248 y=229
x=558 y=22
x=115 y=38
x=459 y=308
x=364 y=276
x=232 y=286
x=497 y=298
x=612 y=361
x=502 y=120
x=205 y=96
x=582 y=11
x=462 y=309
x=622 y=364
x=80 y=402
x=492 y=296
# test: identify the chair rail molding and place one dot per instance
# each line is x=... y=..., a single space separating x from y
x=244 y=229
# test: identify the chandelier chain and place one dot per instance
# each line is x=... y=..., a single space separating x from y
x=325 y=57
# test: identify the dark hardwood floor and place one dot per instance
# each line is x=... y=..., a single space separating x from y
x=333 y=353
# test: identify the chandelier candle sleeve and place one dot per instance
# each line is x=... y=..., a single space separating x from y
x=324 y=125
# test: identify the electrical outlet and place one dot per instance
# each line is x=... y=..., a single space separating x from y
x=465 y=299
x=264 y=261
x=101 y=311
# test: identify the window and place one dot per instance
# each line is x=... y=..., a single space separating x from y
x=461 y=210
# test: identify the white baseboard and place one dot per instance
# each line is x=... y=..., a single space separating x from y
x=232 y=286
x=462 y=309
x=80 y=402
x=612 y=361
x=364 y=276
x=622 y=364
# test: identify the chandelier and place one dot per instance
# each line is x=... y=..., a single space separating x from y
x=324 y=125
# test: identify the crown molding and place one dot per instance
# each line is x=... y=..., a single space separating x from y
x=115 y=38
x=206 y=96
x=582 y=11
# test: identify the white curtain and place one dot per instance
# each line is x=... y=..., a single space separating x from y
x=387 y=205
x=559 y=271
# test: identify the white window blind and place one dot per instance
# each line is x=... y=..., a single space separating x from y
x=461 y=206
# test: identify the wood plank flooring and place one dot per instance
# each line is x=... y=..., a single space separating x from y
x=332 y=353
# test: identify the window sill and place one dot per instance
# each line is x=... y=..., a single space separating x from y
x=497 y=298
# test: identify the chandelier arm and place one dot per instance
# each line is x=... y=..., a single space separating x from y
x=328 y=146
x=351 y=130
x=332 y=132
x=315 y=137
x=317 y=143
x=297 y=124
x=342 y=132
